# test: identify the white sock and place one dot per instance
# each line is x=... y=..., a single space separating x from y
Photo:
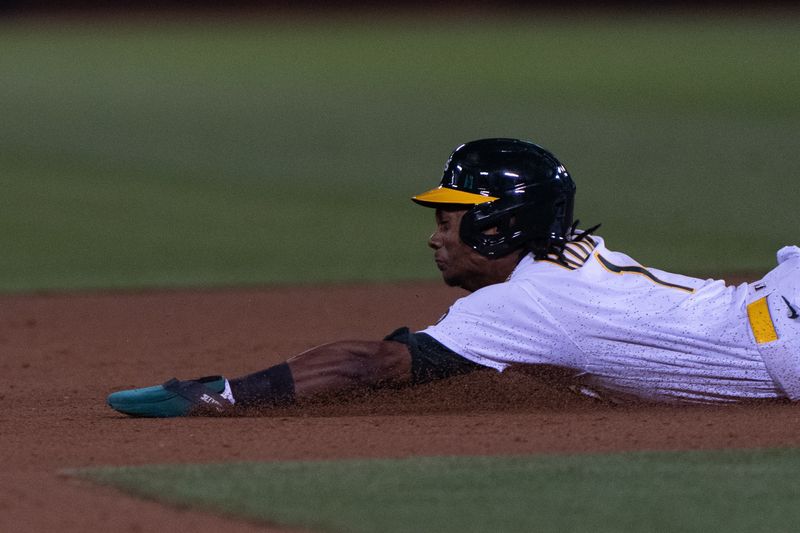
x=228 y=393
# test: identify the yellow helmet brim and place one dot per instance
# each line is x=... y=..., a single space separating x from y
x=445 y=195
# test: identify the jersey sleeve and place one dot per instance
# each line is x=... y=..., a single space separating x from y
x=430 y=360
x=504 y=324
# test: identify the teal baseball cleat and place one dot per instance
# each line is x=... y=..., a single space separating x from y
x=204 y=396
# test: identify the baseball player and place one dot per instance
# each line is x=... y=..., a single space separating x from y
x=542 y=292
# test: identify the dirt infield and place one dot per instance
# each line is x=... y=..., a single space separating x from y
x=62 y=354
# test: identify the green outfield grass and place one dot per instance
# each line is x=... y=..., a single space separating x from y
x=731 y=491
x=284 y=150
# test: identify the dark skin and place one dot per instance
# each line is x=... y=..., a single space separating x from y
x=461 y=266
x=348 y=365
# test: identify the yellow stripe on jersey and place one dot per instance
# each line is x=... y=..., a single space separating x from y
x=571 y=250
x=584 y=246
x=636 y=269
x=761 y=321
x=580 y=252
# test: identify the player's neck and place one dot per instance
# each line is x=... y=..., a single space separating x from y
x=500 y=270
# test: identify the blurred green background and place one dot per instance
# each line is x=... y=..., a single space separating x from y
x=259 y=150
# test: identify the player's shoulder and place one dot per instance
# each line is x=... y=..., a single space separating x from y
x=576 y=255
x=535 y=280
x=532 y=274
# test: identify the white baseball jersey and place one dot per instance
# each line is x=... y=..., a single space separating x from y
x=630 y=331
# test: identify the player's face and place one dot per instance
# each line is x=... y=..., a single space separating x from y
x=460 y=265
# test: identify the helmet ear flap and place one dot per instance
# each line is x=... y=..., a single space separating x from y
x=505 y=234
x=534 y=216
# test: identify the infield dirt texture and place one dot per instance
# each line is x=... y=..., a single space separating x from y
x=64 y=353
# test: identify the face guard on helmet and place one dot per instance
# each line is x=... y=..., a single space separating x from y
x=517 y=194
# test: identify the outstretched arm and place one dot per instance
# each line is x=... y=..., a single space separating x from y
x=402 y=358
x=347 y=365
x=324 y=370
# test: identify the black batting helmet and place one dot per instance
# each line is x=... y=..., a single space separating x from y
x=520 y=194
